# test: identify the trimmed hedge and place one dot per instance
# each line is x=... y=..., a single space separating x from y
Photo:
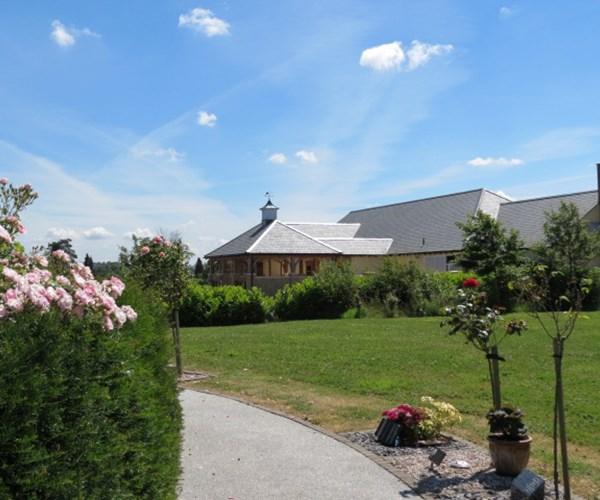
x=206 y=305
x=87 y=414
x=328 y=294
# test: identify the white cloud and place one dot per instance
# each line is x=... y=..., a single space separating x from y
x=66 y=37
x=206 y=119
x=390 y=56
x=495 y=162
x=205 y=21
x=61 y=233
x=506 y=12
x=171 y=154
x=278 y=158
x=420 y=53
x=383 y=57
x=307 y=156
x=97 y=233
x=140 y=232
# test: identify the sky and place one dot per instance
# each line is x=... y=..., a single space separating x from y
x=174 y=115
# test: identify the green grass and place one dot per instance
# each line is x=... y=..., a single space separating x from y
x=343 y=373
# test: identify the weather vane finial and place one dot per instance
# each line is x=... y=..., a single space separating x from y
x=268 y=195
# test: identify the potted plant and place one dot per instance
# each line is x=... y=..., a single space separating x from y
x=509 y=442
x=399 y=427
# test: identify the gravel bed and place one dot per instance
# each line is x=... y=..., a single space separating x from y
x=446 y=481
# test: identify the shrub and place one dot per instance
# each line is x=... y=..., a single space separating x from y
x=85 y=413
x=205 y=305
x=399 y=288
x=592 y=300
x=328 y=294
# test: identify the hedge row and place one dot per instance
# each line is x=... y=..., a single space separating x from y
x=206 y=305
x=88 y=414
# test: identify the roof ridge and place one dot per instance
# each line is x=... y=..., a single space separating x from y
x=551 y=196
x=355 y=239
x=504 y=197
x=415 y=201
x=249 y=249
x=325 y=223
x=310 y=237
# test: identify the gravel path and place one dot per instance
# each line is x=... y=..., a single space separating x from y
x=446 y=481
x=233 y=451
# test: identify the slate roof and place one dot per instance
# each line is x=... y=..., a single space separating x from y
x=528 y=216
x=302 y=238
x=426 y=225
x=279 y=238
x=360 y=246
x=325 y=230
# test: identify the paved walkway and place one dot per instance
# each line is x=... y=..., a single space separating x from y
x=233 y=451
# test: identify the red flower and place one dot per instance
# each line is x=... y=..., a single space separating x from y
x=471 y=283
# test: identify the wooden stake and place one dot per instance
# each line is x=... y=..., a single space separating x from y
x=558 y=354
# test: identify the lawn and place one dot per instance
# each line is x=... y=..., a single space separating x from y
x=342 y=373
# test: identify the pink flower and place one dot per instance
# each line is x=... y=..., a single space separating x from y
x=5 y=235
x=158 y=239
x=144 y=250
x=11 y=274
x=63 y=280
x=83 y=298
x=3 y=181
x=40 y=260
x=129 y=312
x=162 y=255
x=3 y=311
x=13 y=300
x=114 y=286
x=63 y=299
x=61 y=255
x=108 y=324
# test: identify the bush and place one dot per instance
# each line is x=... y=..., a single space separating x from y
x=85 y=413
x=592 y=299
x=327 y=295
x=398 y=288
x=205 y=305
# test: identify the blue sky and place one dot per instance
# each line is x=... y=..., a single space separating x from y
x=179 y=115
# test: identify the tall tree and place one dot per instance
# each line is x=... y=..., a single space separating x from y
x=199 y=268
x=88 y=261
x=65 y=245
x=493 y=253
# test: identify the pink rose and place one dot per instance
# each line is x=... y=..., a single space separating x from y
x=3 y=181
x=144 y=250
x=5 y=235
x=61 y=255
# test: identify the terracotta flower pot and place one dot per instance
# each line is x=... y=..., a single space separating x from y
x=509 y=457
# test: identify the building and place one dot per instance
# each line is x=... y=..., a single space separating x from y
x=424 y=231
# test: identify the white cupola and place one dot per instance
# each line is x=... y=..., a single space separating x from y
x=269 y=211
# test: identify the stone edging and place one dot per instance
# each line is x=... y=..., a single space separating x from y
x=378 y=460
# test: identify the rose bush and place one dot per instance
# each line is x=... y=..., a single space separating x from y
x=88 y=404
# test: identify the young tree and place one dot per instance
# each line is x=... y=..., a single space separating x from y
x=65 y=245
x=199 y=269
x=554 y=288
x=88 y=262
x=492 y=253
x=161 y=264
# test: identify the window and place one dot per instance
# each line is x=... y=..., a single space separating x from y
x=260 y=270
x=284 y=267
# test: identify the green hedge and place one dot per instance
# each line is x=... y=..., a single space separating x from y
x=329 y=294
x=85 y=414
x=206 y=305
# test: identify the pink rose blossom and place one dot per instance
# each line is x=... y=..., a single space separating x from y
x=61 y=255
x=162 y=255
x=129 y=312
x=5 y=235
x=144 y=250
x=3 y=181
x=11 y=274
x=108 y=324
x=41 y=261
x=63 y=280
x=64 y=300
